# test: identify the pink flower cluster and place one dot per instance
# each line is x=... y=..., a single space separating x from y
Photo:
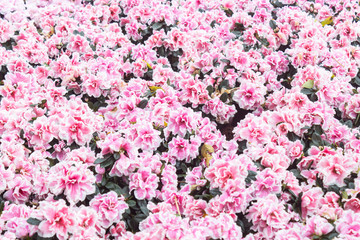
x=186 y=119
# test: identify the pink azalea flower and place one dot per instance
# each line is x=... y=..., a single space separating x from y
x=109 y=208
x=19 y=190
x=147 y=137
x=57 y=219
x=255 y=131
x=268 y=215
x=195 y=208
x=75 y=129
x=6 y=30
x=353 y=204
x=179 y=148
x=310 y=201
x=194 y=177
x=220 y=172
x=220 y=110
x=144 y=183
x=267 y=182
x=349 y=225
x=318 y=226
x=118 y=230
x=42 y=131
x=74 y=178
x=78 y=44
x=92 y=85
x=87 y=217
x=335 y=168
x=180 y=121
x=15 y=217
x=193 y=91
x=250 y=95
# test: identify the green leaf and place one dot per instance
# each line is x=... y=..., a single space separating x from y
x=143 y=207
x=143 y=104
x=313 y=97
x=140 y=217
x=131 y=203
x=76 y=32
x=224 y=97
x=357 y=80
x=318 y=129
x=307 y=91
x=2 y=205
x=297 y=203
x=114 y=187
x=292 y=136
x=227 y=61
x=242 y=146
x=215 y=192
x=297 y=174
x=308 y=84
x=319 y=181
x=250 y=177
x=117 y=156
x=237 y=33
x=344 y=195
x=157 y=25
x=109 y=161
x=210 y=89
x=273 y=24
x=349 y=123
x=316 y=139
x=212 y=24
x=33 y=221
x=37 y=237
x=332 y=235
x=334 y=188
x=125 y=191
x=104 y=180
x=224 y=84
x=100 y=160
x=357 y=120
x=216 y=62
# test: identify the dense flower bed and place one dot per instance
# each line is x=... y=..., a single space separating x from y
x=183 y=119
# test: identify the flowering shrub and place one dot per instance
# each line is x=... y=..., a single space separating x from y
x=183 y=119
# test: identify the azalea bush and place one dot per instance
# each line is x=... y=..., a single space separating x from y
x=183 y=119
